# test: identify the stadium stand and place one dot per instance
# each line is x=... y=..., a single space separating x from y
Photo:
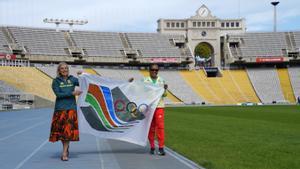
x=180 y=88
x=11 y=46
x=2 y=41
x=47 y=45
x=215 y=85
x=38 y=41
x=232 y=88
x=5 y=88
x=297 y=39
x=285 y=84
x=172 y=99
x=266 y=84
x=106 y=44
x=242 y=82
x=29 y=80
x=295 y=80
x=48 y=70
x=8 y=96
x=258 y=44
x=90 y=71
x=153 y=44
x=200 y=86
x=189 y=87
x=16 y=95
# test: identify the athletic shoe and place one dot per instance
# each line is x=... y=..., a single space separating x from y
x=161 y=152
x=152 y=150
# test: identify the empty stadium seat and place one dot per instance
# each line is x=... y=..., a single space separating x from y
x=266 y=84
x=153 y=44
x=40 y=41
x=294 y=73
x=99 y=43
x=259 y=44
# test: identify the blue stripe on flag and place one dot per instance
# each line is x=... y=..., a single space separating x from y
x=109 y=102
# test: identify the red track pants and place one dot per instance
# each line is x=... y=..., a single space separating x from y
x=158 y=126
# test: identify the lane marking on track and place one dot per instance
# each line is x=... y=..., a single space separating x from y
x=107 y=160
x=8 y=124
x=99 y=154
x=182 y=159
x=22 y=131
x=30 y=155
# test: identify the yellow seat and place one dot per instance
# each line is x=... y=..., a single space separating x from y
x=285 y=84
x=29 y=80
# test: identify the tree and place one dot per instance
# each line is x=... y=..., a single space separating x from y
x=204 y=50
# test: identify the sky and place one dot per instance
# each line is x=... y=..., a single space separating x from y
x=142 y=15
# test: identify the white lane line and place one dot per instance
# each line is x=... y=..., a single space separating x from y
x=30 y=155
x=182 y=159
x=99 y=153
x=22 y=131
x=8 y=124
x=108 y=160
x=21 y=119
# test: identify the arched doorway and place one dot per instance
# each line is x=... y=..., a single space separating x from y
x=203 y=53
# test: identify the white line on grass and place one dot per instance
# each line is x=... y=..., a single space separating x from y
x=22 y=131
x=30 y=155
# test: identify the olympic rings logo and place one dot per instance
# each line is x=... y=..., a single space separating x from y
x=130 y=107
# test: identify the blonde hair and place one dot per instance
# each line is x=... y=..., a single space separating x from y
x=58 y=68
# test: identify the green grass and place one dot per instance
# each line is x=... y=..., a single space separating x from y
x=257 y=137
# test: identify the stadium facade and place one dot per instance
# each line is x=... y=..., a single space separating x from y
x=204 y=28
x=228 y=43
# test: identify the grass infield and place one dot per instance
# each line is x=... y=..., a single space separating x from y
x=236 y=137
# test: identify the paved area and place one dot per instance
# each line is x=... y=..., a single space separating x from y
x=24 y=145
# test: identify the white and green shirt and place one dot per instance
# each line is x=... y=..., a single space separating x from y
x=159 y=82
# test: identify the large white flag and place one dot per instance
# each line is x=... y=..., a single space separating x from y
x=116 y=109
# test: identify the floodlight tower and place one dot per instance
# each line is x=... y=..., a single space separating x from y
x=57 y=22
x=275 y=3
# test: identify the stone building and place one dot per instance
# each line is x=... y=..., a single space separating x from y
x=204 y=30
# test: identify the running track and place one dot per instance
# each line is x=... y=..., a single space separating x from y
x=24 y=145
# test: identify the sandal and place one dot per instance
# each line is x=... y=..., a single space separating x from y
x=64 y=158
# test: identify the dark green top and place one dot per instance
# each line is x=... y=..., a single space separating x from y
x=63 y=89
